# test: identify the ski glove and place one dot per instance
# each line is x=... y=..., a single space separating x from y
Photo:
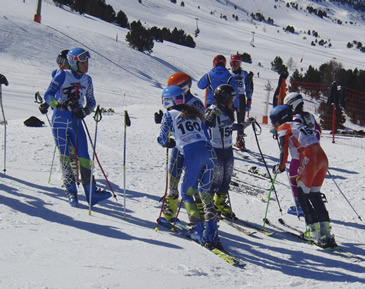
x=277 y=170
x=81 y=113
x=211 y=114
x=171 y=143
x=158 y=116
x=43 y=108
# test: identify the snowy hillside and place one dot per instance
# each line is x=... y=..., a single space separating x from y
x=45 y=243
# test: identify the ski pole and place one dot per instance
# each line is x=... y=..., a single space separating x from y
x=268 y=200
x=166 y=183
x=39 y=100
x=97 y=118
x=177 y=214
x=127 y=122
x=50 y=171
x=343 y=195
x=3 y=80
x=97 y=159
x=263 y=159
x=295 y=203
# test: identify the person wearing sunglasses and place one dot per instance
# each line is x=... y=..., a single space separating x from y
x=71 y=96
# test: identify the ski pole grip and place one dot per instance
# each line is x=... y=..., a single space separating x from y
x=98 y=115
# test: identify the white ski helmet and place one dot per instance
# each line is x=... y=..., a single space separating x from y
x=293 y=99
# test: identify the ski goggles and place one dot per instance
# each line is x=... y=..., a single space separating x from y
x=84 y=56
x=61 y=61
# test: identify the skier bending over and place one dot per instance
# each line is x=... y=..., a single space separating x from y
x=296 y=103
x=186 y=125
x=295 y=137
x=66 y=94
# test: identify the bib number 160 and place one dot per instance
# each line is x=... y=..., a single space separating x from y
x=189 y=126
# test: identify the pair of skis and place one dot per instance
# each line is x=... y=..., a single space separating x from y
x=183 y=229
x=296 y=233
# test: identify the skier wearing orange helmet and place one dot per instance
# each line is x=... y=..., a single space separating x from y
x=176 y=159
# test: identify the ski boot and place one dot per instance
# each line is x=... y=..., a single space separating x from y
x=293 y=209
x=327 y=240
x=71 y=194
x=222 y=207
x=313 y=233
x=196 y=232
x=170 y=208
x=97 y=196
x=240 y=143
x=210 y=236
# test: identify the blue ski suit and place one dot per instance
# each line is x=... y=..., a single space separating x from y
x=67 y=93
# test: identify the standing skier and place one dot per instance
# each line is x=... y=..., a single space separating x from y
x=176 y=158
x=300 y=140
x=219 y=121
x=62 y=63
x=66 y=94
x=218 y=75
x=186 y=125
x=296 y=103
x=244 y=86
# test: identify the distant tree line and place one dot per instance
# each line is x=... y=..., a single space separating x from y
x=138 y=37
x=142 y=38
x=328 y=73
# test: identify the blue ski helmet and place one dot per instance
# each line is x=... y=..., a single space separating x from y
x=281 y=113
x=75 y=55
x=172 y=95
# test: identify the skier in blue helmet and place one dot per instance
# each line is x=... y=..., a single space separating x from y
x=66 y=94
x=189 y=135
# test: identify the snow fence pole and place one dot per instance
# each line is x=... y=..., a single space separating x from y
x=127 y=122
x=3 y=80
x=166 y=182
x=97 y=118
x=268 y=200
x=343 y=195
x=267 y=169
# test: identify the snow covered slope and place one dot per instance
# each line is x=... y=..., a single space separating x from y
x=47 y=244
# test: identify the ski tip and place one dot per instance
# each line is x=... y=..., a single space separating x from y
x=156 y=229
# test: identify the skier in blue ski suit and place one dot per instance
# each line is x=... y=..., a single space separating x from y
x=218 y=75
x=176 y=159
x=71 y=96
x=186 y=125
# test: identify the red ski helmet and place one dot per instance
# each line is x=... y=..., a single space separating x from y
x=219 y=59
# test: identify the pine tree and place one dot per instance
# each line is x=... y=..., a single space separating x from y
x=139 y=38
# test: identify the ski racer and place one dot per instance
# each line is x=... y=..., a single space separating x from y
x=220 y=122
x=295 y=101
x=295 y=137
x=176 y=159
x=244 y=87
x=66 y=94
x=186 y=125
x=218 y=75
